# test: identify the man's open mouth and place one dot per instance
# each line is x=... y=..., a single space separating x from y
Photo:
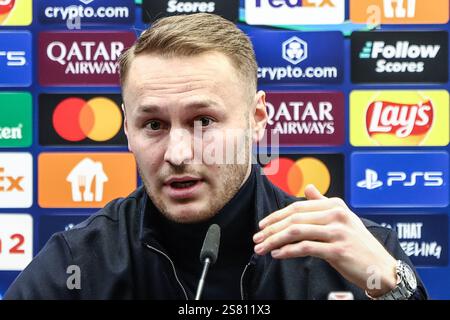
x=183 y=184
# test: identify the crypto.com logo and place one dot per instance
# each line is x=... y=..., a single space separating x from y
x=295 y=50
x=86 y=11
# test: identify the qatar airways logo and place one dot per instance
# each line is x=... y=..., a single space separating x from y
x=81 y=58
x=306 y=118
x=86 y=57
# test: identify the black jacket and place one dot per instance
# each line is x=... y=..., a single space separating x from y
x=119 y=258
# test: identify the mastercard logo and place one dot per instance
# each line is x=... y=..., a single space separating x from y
x=75 y=119
x=293 y=176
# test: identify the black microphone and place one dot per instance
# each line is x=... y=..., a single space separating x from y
x=208 y=254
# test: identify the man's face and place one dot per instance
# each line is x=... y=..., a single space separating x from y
x=168 y=102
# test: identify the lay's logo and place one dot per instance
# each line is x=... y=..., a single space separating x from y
x=399 y=118
x=16 y=12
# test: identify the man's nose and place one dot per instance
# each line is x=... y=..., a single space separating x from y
x=179 y=149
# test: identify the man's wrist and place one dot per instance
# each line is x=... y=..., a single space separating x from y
x=405 y=287
x=388 y=281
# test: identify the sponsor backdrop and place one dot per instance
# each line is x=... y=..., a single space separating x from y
x=357 y=91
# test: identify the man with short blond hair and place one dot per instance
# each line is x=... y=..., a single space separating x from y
x=188 y=84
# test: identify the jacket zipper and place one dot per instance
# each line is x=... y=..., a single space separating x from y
x=173 y=268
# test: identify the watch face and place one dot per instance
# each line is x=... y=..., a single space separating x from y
x=410 y=277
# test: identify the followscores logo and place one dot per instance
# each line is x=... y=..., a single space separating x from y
x=292 y=57
x=16 y=241
x=400 y=57
x=306 y=118
x=295 y=172
x=399 y=118
x=16 y=180
x=294 y=12
x=81 y=58
x=15 y=59
x=399 y=179
x=80 y=120
x=78 y=12
x=399 y=11
x=16 y=12
x=84 y=180
x=15 y=119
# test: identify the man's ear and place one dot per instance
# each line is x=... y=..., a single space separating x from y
x=125 y=125
x=259 y=116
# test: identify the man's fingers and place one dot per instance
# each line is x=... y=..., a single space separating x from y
x=303 y=249
x=301 y=206
x=318 y=218
x=294 y=233
x=312 y=193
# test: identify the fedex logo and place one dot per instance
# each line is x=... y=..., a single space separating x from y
x=400 y=179
x=299 y=12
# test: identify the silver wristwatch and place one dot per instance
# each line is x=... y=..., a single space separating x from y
x=406 y=284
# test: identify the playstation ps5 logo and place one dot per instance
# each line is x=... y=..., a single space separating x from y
x=426 y=178
x=295 y=50
x=370 y=181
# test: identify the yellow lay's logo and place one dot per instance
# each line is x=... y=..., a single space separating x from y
x=16 y=12
x=399 y=118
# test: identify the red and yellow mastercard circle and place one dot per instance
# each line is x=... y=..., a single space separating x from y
x=98 y=119
x=293 y=176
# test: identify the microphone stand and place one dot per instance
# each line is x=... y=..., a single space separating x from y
x=201 y=283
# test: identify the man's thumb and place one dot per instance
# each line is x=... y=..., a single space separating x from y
x=312 y=193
